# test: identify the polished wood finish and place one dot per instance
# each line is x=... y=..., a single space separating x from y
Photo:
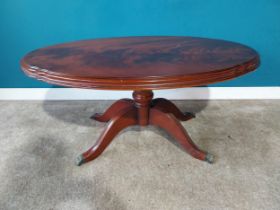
x=140 y=63
x=142 y=100
x=168 y=122
x=168 y=107
x=119 y=105
x=124 y=118
x=143 y=111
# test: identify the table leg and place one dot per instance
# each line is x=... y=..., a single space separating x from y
x=123 y=119
x=111 y=111
x=142 y=110
x=169 y=123
x=168 y=107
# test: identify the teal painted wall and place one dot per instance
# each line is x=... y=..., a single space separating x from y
x=29 y=24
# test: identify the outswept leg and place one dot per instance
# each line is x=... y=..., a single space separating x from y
x=112 y=110
x=169 y=123
x=168 y=107
x=121 y=120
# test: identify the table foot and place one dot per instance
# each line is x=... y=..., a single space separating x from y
x=111 y=111
x=169 y=107
x=124 y=118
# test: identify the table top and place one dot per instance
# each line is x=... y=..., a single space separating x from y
x=140 y=63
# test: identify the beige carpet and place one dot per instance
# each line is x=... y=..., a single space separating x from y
x=142 y=168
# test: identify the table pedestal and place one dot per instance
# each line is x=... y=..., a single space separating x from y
x=143 y=110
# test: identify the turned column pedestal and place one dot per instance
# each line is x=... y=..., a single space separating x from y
x=143 y=110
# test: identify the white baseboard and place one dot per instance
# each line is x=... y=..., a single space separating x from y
x=195 y=93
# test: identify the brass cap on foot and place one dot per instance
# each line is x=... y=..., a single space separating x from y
x=80 y=160
x=209 y=158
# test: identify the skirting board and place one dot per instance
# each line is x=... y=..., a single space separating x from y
x=195 y=93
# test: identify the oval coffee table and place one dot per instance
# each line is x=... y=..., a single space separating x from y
x=141 y=64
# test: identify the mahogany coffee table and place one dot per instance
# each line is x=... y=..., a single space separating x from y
x=141 y=64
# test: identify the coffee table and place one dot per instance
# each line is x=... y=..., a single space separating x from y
x=141 y=64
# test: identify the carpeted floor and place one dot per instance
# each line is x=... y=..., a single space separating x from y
x=142 y=168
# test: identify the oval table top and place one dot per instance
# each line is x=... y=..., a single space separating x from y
x=140 y=63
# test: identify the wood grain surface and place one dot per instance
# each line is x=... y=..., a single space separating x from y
x=140 y=63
